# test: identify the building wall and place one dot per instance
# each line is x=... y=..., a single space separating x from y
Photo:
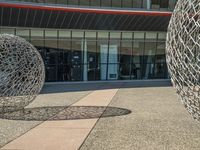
x=145 y=4
x=77 y=55
x=86 y=46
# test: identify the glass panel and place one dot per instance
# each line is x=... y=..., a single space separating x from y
x=125 y=59
x=172 y=4
x=162 y=36
x=64 y=44
x=139 y=35
x=8 y=30
x=61 y=1
x=102 y=49
x=84 y=2
x=49 y=34
x=155 y=4
x=51 y=39
x=113 y=71
x=77 y=35
x=145 y=3
x=95 y=2
x=37 y=37
x=102 y=35
x=124 y=71
x=138 y=47
x=106 y=3
x=115 y=35
x=116 y=3
x=127 y=3
x=164 y=3
x=137 y=59
x=113 y=62
x=93 y=61
x=151 y=36
x=150 y=50
x=149 y=58
x=90 y=35
x=136 y=71
x=137 y=3
x=23 y=33
x=77 y=56
x=63 y=34
x=72 y=2
x=127 y=36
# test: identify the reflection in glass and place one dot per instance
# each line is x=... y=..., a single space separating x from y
x=77 y=55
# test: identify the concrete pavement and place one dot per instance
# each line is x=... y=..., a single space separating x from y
x=157 y=120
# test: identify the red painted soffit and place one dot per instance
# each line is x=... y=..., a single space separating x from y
x=86 y=10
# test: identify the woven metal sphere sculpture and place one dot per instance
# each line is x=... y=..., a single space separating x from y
x=21 y=73
x=183 y=53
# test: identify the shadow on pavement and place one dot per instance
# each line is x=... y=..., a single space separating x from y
x=78 y=87
x=64 y=113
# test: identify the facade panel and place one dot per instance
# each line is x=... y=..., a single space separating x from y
x=144 y=4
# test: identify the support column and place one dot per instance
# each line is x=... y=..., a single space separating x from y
x=85 y=68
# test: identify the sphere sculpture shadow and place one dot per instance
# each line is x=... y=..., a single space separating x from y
x=21 y=73
x=183 y=53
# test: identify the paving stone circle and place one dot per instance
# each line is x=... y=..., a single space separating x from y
x=183 y=53
x=21 y=73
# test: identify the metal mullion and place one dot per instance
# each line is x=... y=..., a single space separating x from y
x=82 y=62
x=96 y=55
x=155 y=54
x=131 y=60
x=119 y=56
x=58 y=54
x=70 y=52
x=108 y=55
x=29 y=30
x=144 y=48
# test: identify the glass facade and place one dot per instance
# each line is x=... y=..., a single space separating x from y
x=146 y=4
x=84 y=55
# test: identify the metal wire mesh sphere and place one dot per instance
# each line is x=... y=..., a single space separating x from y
x=21 y=73
x=183 y=53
